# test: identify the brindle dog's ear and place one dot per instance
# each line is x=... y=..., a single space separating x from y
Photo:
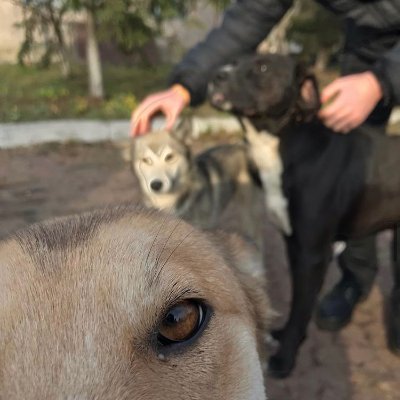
x=183 y=130
x=308 y=102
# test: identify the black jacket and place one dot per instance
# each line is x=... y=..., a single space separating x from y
x=372 y=34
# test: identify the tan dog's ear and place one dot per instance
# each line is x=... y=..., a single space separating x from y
x=136 y=143
x=183 y=130
x=245 y=260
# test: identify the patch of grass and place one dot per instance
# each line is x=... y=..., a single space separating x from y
x=28 y=94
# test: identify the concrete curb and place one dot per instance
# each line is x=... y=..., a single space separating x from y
x=30 y=133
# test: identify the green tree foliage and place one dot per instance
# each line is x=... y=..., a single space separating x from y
x=133 y=23
x=220 y=5
x=317 y=30
x=43 y=20
x=130 y=24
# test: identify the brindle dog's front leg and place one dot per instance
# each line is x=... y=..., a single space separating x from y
x=309 y=257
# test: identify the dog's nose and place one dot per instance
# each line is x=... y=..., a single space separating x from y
x=156 y=185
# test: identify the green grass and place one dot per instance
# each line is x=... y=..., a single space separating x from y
x=28 y=94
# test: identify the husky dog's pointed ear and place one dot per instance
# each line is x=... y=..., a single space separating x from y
x=308 y=102
x=183 y=130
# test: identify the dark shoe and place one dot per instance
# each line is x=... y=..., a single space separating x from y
x=393 y=325
x=278 y=368
x=336 y=308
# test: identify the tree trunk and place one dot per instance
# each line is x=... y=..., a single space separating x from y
x=62 y=49
x=56 y=22
x=322 y=59
x=276 y=41
x=96 y=89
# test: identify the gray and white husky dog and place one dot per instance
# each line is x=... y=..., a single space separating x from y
x=217 y=188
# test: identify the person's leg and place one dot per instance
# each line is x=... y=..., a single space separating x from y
x=394 y=300
x=358 y=264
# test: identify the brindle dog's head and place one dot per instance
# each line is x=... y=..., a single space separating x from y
x=269 y=87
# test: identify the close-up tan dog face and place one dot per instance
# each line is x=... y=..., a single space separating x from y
x=127 y=304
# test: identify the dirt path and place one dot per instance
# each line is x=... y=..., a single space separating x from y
x=54 y=180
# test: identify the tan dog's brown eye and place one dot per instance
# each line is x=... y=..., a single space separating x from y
x=147 y=161
x=181 y=322
x=169 y=157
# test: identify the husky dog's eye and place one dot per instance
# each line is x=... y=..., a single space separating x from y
x=263 y=68
x=147 y=161
x=182 y=322
x=169 y=157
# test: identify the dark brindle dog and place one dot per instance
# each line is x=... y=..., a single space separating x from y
x=338 y=186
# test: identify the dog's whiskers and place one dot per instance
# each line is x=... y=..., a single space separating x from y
x=176 y=248
x=154 y=242
x=165 y=243
x=157 y=274
x=156 y=265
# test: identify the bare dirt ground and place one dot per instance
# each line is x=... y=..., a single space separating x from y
x=53 y=180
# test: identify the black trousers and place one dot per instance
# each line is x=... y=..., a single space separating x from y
x=359 y=260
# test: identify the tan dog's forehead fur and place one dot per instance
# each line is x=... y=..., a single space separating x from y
x=81 y=300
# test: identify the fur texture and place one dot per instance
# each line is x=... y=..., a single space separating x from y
x=82 y=299
x=214 y=189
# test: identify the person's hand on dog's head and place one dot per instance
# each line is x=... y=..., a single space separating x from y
x=170 y=102
x=347 y=101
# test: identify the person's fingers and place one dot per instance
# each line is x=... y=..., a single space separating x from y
x=330 y=91
x=337 y=120
x=135 y=122
x=135 y=128
x=141 y=121
x=171 y=117
x=343 y=126
x=138 y=126
x=144 y=126
x=137 y=118
x=332 y=109
x=344 y=129
x=170 y=103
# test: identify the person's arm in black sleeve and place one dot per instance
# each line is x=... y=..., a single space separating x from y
x=245 y=25
x=387 y=70
x=382 y=14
